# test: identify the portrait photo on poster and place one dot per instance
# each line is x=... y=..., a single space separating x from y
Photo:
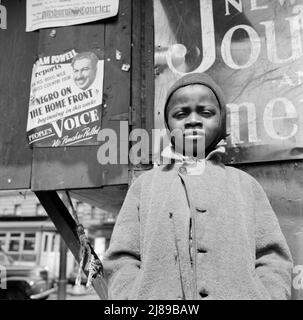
x=65 y=99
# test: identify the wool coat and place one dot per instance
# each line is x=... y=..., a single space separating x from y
x=237 y=250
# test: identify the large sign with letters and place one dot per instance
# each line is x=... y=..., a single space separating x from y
x=254 y=50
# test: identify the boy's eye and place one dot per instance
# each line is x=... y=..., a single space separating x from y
x=180 y=114
x=203 y=111
x=206 y=113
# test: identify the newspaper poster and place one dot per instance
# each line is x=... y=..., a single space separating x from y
x=65 y=100
x=57 y=13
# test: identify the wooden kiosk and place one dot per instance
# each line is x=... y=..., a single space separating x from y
x=134 y=46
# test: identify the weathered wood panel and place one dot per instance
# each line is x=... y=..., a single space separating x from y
x=78 y=167
x=62 y=168
x=17 y=54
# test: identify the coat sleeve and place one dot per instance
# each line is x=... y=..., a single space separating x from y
x=121 y=261
x=273 y=258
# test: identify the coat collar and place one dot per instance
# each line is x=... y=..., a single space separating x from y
x=170 y=153
x=194 y=166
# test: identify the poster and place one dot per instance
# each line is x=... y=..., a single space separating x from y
x=58 y=13
x=65 y=99
x=254 y=50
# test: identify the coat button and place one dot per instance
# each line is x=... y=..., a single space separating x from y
x=201 y=210
x=203 y=294
x=182 y=170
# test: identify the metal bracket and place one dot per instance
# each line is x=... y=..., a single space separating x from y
x=67 y=228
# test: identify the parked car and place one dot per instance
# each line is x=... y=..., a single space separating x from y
x=71 y=279
x=25 y=282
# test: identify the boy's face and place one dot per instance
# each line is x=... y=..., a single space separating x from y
x=194 y=112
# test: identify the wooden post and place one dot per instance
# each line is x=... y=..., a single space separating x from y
x=62 y=271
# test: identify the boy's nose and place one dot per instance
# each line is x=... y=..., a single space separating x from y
x=194 y=120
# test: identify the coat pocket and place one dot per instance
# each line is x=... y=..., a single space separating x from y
x=262 y=291
x=134 y=291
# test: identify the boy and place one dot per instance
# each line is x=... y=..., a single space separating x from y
x=196 y=229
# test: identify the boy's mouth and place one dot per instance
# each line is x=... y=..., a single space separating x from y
x=194 y=134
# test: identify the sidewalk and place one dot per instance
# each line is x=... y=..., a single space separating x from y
x=76 y=293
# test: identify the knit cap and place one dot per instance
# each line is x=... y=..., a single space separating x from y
x=206 y=80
